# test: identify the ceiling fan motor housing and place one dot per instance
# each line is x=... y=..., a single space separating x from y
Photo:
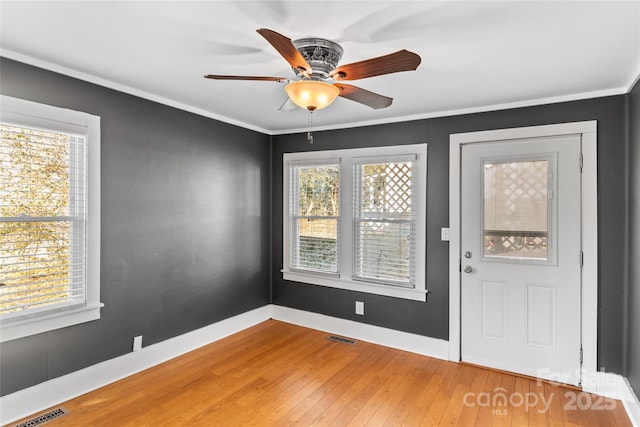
x=321 y=54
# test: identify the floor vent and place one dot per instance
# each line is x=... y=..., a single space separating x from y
x=44 y=418
x=343 y=340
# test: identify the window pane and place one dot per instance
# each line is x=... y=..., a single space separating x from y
x=34 y=172
x=318 y=191
x=317 y=245
x=516 y=209
x=384 y=250
x=386 y=190
x=34 y=264
x=384 y=229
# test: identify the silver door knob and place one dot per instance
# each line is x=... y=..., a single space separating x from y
x=467 y=269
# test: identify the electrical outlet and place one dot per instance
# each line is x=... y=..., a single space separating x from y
x=360 y=308
x=137 y=343
x=444 y=234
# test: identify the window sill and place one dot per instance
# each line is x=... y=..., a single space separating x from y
x=61 y=319
x=352 y=285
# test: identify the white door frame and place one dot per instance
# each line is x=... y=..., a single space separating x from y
x=588 y=131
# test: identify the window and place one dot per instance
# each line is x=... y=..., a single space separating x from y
x=356 y=219
x=49 y=218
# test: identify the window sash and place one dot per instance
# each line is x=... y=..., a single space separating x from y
x=311 y=248
x=41 y=281
x=384 y=236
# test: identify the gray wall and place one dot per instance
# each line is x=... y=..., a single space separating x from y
x=633 y=359
x=432 y=318
x=185 y=226
x=186 y=218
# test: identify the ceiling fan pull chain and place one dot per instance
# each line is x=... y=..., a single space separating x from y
x=309 y=133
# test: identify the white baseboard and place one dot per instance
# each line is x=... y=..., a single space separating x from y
x=26 y=402
x=614 y=386
x=34 y=399
x=631 y=404
x=419 y=344
x=600 y=383
x=39 y=397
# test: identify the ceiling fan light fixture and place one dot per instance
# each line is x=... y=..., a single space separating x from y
x=312 y=94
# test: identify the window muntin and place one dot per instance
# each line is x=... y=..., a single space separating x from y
x=408 y=280
x=384 y=224
x=49 y=218
x=315 y=218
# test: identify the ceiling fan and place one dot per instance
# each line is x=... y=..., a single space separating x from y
x=315 y=63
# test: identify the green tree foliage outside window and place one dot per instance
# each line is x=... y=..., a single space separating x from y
x=318 y=191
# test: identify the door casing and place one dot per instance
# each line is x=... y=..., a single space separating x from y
x=588 y=132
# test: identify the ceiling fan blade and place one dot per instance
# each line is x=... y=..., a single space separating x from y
x=363 y=96
x=288 y=105
x=285 y=47
x=402 y=60
x=259 y=78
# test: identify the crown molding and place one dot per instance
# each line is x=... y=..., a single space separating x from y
x=50 y=66
x=47 y=65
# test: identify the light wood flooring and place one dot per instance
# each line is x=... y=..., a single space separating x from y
x=277 y=374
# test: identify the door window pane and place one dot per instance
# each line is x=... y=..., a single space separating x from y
x=516 y=209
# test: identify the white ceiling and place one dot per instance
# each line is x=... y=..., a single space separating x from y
x=476 y=55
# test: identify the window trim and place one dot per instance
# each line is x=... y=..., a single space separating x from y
x=33 y=114
x=345 y=278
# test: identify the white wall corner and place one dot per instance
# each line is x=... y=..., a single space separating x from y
x=34 y=399
x=631 y=404
x=613 y=386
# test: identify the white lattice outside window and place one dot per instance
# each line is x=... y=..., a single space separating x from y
x=518 y=209
x=384 y=223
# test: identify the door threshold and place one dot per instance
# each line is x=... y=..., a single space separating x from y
x=528 y=377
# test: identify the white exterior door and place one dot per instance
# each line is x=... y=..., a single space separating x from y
x=521 y=256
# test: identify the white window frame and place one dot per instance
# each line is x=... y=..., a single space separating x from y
x=40 y=116
x=344 y=280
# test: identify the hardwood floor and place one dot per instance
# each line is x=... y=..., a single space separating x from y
x=277 y=374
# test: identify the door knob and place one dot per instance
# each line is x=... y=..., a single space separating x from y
x=468 y=269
